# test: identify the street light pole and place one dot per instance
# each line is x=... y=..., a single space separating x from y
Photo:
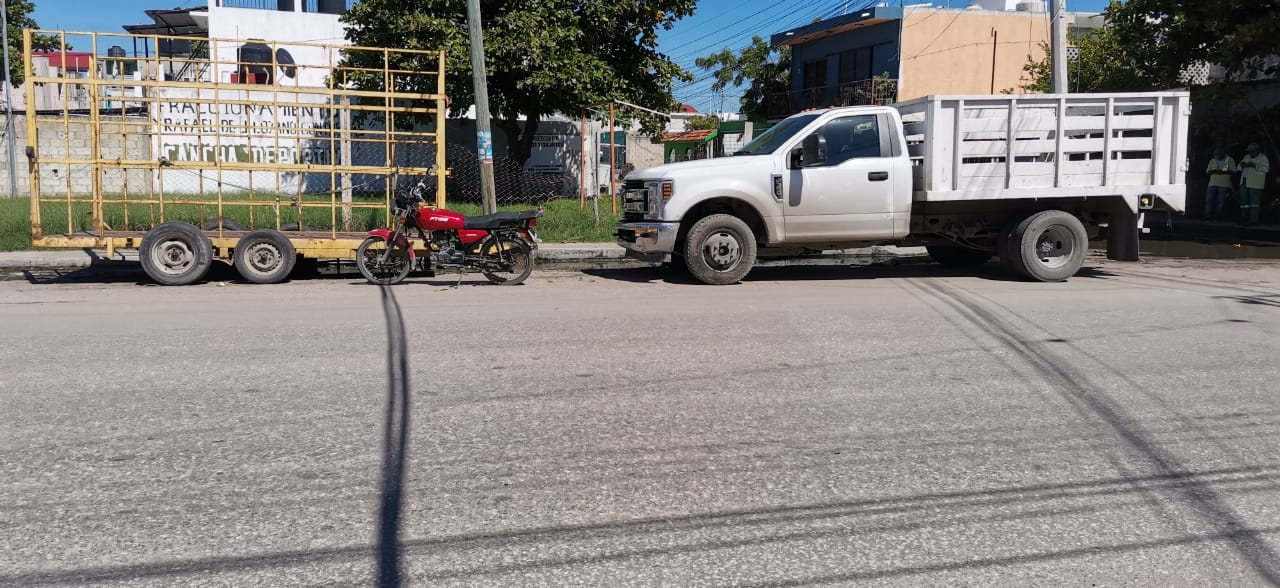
x=1058 y=59
x=484 y=136
x=8 y=105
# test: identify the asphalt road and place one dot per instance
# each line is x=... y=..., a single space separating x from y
x=869 y=426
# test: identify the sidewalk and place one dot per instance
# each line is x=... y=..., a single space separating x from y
x=1166 y=228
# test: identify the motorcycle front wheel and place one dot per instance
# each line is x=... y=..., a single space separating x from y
x=369 y=260
x=513 y=256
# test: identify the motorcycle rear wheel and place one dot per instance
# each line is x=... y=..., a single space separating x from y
x=518 y=253
x=369 y=261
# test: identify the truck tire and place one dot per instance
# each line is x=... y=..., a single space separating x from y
x=720 y=249
x=175 y=254
x=264 y=257
x=1048 y=246
x=958 y=257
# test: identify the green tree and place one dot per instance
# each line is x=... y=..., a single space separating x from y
x=1151 y=44
x=702 y=122
x=767 y=68
x=542 y=56
x=19 y=15
x=1167 y=36
x=1102 y=65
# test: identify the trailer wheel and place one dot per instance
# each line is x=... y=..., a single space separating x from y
x=1048 y=246
x=175 y=254
x=958 y=257
x=720 y=249
x=265 y=257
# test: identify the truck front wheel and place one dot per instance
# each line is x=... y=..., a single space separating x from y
x=1048 y=246
x=720 y=249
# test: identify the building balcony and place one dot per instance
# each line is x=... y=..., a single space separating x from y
x=869 y=92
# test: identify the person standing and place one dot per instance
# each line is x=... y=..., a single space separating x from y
x=1253 y=178
x=1221 y=167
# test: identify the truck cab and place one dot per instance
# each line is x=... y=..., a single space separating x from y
x=818 y=180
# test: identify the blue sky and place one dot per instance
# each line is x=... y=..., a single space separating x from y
x=716 y=24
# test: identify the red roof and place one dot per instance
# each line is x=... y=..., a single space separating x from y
x=687 y=108
x=79 y=60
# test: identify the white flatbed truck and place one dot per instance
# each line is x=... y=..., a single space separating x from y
x=1029 y=179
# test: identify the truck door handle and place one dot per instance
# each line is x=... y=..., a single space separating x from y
x=878 y=176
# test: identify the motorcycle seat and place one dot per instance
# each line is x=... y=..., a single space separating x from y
x=499 y=220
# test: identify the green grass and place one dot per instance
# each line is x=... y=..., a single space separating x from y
x=563 y=220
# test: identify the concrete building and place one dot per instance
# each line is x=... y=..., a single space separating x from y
x=886 y=53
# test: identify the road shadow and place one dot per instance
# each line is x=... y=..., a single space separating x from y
x=909 y=268
x=638 y=539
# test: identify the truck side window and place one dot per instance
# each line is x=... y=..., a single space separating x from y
x=852 y=137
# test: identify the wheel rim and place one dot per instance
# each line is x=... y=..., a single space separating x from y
x=1055 y=247
x=395 y=264
x=264 y=258
x=174 y=257
x=722 y=250
x=519 y=262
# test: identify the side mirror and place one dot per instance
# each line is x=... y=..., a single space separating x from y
x=797 y=158
x=815 y=150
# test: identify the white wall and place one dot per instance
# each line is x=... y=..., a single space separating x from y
x=279 y=27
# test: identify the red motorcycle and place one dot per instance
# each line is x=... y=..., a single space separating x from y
x=498 y=245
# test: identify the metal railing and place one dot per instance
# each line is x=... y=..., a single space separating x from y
x=264 y=143
x=873 y=91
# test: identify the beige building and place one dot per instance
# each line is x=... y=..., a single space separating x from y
x=886 y=54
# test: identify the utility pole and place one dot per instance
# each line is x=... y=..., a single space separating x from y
x=8 y=105
x=1058 y=58
x=484 y=136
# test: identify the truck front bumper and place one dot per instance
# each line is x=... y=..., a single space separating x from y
x=648 y=241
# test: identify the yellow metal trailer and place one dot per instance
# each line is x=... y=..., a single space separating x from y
x=245 y=150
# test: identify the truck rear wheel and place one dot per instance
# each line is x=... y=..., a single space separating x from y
x=264 y=257
x=1048 y=246
x=958 y=257
x=175 y=254
x=720 y=249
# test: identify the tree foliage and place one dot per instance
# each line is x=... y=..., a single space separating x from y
x=702 y=122
x=19 y=19
x=541 y=56
x=1151 y=44
x=767 y=68
x=1167 y=36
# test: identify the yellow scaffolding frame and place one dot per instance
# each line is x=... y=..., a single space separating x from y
x=252 y=121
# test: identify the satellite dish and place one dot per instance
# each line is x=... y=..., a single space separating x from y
x=285 y=61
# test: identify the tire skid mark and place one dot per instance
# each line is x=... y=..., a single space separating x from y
x=1205 y=284
x=1185 y=421
x=1081 y=394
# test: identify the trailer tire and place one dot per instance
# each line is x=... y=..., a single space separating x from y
x=265 y=257
x=227 y=224
x=1048 y=246
x=175 y=253
x=958 y=257
x=720 y=249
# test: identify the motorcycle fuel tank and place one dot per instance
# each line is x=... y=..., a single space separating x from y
x=439 y=219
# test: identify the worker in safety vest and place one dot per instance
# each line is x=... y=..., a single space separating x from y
x=1253 y=178
x=1220 y=170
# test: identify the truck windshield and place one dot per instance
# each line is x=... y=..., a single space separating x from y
x=770 y=140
